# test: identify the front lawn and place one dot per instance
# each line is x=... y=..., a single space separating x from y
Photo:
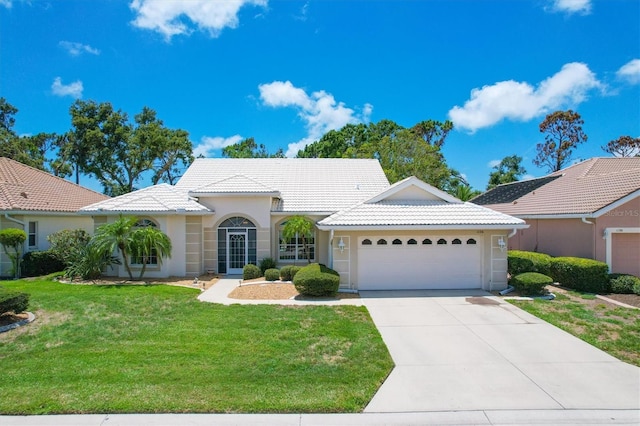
x=153 y=349
x=613 y=329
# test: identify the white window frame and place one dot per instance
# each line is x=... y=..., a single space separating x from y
x=32 y=234
x=153 y=259
x=296 y=247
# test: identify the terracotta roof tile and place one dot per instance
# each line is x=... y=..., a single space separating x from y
x=24 y=188
x=580 y=189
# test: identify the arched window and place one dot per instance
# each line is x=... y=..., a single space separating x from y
x=442 y=241
x=152 y=259
x=293 y=248
x=366 y=242
x=412 y=242
x=382 y=242
x=397 y=242
x=456 y=241
x=471 y=241
x=426 y=241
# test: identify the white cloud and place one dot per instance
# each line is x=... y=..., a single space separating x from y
x=319 y=111
x=208 y=144
x=582 y=7
x=630 y=71
x=171 y=17
x=494 y=163
x=519 y=101
x=76 y=49
x=6 y=3
x=73 y=89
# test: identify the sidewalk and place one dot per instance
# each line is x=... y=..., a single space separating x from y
x=486 y=417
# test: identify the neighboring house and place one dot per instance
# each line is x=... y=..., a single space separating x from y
x=591 y=209
x=225 y=213
x=40 y=204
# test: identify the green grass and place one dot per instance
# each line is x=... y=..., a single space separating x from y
x=149 y=349
x=614 y=330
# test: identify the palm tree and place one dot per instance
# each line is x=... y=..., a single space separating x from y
x=116 y=235
x=149 y=242
x=299 y=227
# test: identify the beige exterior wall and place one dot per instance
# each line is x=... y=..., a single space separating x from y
x=573 y=237
x=46 y=225
x=494 y=260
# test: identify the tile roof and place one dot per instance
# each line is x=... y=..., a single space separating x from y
x=162 y=198
x=304 y=184
x=234 y=184
x=583 y=188
x=24 y=188
x=510 y=192
x=427 y=213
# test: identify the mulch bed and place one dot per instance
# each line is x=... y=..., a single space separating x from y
x=629 y=299
x=257 y=290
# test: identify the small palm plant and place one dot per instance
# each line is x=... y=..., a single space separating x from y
x=149 y=242
x=299 y=227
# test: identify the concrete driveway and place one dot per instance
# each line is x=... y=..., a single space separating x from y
x=468 y=350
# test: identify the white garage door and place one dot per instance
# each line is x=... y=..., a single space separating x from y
x=408 y=263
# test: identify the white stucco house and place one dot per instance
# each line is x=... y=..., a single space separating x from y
x=225 y=213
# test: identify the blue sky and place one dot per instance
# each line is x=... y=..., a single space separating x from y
x=285 y=72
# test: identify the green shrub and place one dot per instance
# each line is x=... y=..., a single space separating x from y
x=267 y=263
x=13 y=301
x=287 y=273
x=317 y=280
x=272 y=274
x=88 y=263
x=636 y=288
x=250 y=272
x=581 y=274
x=64 y=243
x=623 y=284
x=39 y=263
x=530 y=283
x=527 y=261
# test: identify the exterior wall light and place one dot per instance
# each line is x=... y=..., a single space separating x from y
x=341 y=245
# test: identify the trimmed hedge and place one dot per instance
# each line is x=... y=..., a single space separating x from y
x=39 y=263
x=581 y=274
x=317 y=280
x=530 y=283
x=287 y=273
x=267 y=263
x=250 y=272
x=272 y=274
x=528 y=261
x=624 y=284
x=13 y=301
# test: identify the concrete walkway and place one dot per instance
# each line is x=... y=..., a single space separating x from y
x=462 y=358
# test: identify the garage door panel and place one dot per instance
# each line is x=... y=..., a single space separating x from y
x=428 y=266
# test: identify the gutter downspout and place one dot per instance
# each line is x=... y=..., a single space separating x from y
x=515 y=230
x=331 y=249
x=12 y=219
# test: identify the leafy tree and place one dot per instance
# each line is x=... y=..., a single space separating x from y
x=29 y=150
x=563 y=133
x=248 y=148
x=509 y=170
x=624 y=146
x=104 y=143
x=299 y=227
x=12 y=240
x=402 y=152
